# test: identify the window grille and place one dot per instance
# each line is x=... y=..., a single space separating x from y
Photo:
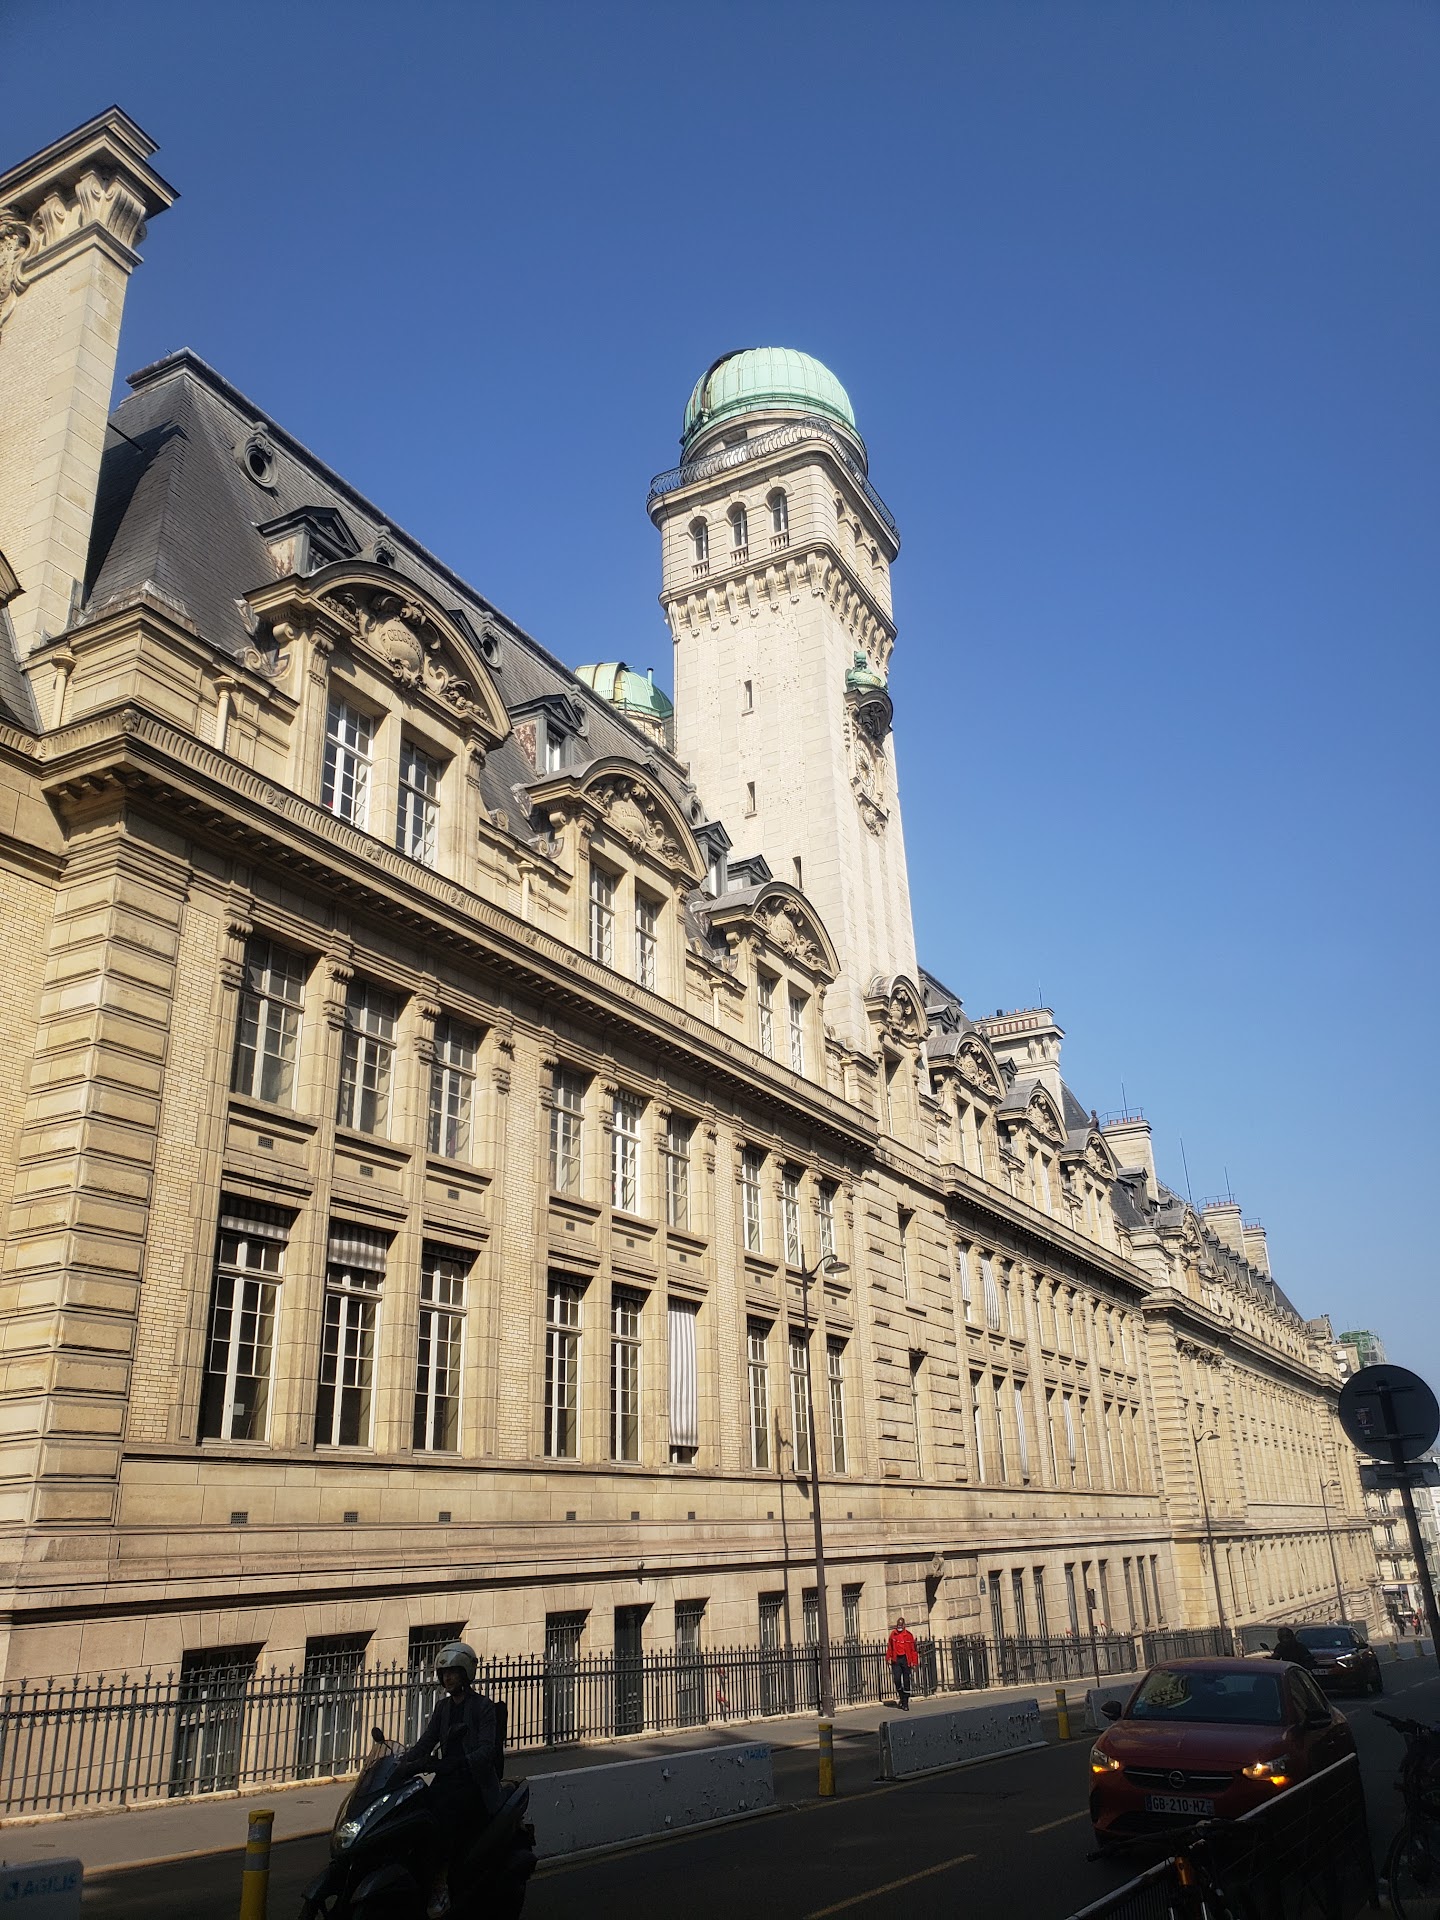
x=625 y=1311
x=349 y=743
x=443 y=1273
x=566 y=1124
x=417 y=809
x=267 y=1035
x=367 y=1056
x=562 y=1370
x=757 y=1352
x=354 y=1276
x=452 y=1088
x=240 y=1350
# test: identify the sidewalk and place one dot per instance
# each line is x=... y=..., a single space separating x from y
x=108 y=1838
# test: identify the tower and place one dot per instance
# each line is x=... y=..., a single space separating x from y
x=776 y=556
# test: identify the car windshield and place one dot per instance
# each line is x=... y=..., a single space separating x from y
x=1242 y=1699
x=1325 y=1637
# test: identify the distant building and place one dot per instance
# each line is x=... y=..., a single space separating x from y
x=1361 y=1348
x=436 y=1075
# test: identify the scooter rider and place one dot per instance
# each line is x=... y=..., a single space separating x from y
x=459 y=1743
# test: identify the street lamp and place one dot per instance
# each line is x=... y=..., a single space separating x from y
x=1196 y=1439
x=1330 y=1538
x=827 y=1263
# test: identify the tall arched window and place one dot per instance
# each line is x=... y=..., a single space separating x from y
x=779 y=518
x=739 y=532
x=700 y=535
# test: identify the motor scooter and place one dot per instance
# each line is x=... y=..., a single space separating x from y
x=381 y=1841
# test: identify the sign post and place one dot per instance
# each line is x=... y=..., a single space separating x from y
x=1391 y=1414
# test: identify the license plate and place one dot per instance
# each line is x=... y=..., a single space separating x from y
x=1178 y=1803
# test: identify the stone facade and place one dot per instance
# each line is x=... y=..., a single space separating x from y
x=430 y=1093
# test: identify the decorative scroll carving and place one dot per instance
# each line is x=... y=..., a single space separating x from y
x=404 y=638
x=1043 y=1121
x=788 y=934
x=631 y=812
x=976 y=1069
x=14 y=245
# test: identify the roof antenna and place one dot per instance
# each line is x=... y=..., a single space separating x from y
x=1124 y=1101
x=1228 y=1194
x=1186 y=1164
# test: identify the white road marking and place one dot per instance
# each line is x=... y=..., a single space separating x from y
x=874 y=1893
x=1063 y=1821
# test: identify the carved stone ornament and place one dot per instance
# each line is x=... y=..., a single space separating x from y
x=788 y=934
x=404 y=639
x=14 y=245
x=1043 y=1121
x=631 y=812
x=976 y=1069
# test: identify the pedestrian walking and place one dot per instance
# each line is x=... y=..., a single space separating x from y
x=904 y=1657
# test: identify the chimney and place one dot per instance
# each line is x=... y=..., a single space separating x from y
x=70 y=221
x=1129 y=1139
x=1223 y=1219
x=1031 y=1039
x=1257 y=1251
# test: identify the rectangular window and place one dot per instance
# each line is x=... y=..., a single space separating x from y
x=825 y=1209
x=1017 y=1601
x=647 y=939
x=675 y=1153
x=1050 y=1435
x=1069 y=1418
x=997 y=1604
x=625 y=1375
x=1037 y=1585
x=354 y=1275
x=991 y=1293
x=602 y=916
x=765 y=1002
x=1103 y=1569
x=1072 y=1603
x=566 y=1123
x=625 y=1153
x=850 y=1610
x=904 y=1218
x=367 y=1056
x=267 y=1035
x=562 y=1370
x=790 y=1217
x=1022 y=1435
x=1155 y=1582
x=977 y=1421
x=799 y=1403
x=684 y=1383
x=1145 y=1590
x=962 y=1268
x=757 y=1353
x=917 y=1361
x=1129 y=1591
x=797 y=1030
x=997 y=1388
x=752 y=1165
x=443 y=1273
x=835 y=1375
x=417 y=807
x=240 y=1349
x=452 y=1088
x=349 y=743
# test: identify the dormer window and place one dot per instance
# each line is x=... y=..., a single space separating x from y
x=700 y=540
x=779 y=506
x=739 y=533
x=554 y=750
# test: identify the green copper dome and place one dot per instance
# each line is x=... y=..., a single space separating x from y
x=759 y=379
x=632 y=693
x=862 y=675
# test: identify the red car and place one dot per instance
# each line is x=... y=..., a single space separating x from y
x=1209 y=1738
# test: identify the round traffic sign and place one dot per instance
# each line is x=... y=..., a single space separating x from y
x=1389 y=1413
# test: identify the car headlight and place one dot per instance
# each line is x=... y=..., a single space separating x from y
x=1276 y=1771
x=1102 y=1762
x=1345 y=1659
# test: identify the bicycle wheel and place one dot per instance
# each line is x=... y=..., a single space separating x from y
x=1412 y=1873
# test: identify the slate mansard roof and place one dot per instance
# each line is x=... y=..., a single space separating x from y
x=178 y=516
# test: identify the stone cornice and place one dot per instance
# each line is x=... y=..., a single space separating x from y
x=814 y=566
x=1224 y=1337
x=138 y=753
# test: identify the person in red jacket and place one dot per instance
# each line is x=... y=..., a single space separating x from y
x=903 y=1656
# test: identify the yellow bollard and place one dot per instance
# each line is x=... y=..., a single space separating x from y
x=1062 y=1714
x=255 y=1881
x=827 y=1760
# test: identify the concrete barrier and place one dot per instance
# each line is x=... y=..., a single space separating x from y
x=924 y=1742
x=589 y=1807
x=1095 y=1698
x=44 y=1890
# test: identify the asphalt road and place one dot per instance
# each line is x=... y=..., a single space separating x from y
x=1008 y=1837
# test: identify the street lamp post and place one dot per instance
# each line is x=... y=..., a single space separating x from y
x=1334 y=1557
x=1196 y=1439
x=827 y=1263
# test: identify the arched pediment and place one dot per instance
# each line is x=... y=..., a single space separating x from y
x=1099 y=1157
x=1044 y=1117
x=977 y=1064
x=897 y=1007
x=625 y=802
x=785 y=919
x=429 y=652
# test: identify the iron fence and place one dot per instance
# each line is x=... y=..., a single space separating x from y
x=1305 y=1855
x=215 y=1728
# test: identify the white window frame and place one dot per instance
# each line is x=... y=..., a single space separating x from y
x=349 y=756
x=417 y=803
x=991 y=1293
x=835 y=1380
x=765 y=1011
x=752 y=1172
x=798 y=1360
x=798 y=1004
x=603 y=886
x=244 y=1308
x=348 y=1347
x=563 y=1332
x=367 y=1058
x=625 y=1114
x=567 y=1131
x=757 y=1366
x=647 y=939
x=675 y=1152
x=790 y=1216
x=440 y=1349
x=625 y=1363
x=269 y=1022
x=450 y=1118
x=825 y=1212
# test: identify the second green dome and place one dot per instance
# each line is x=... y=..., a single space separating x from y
x=759 y=378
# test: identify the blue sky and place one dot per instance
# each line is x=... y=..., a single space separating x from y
x=1136 y=302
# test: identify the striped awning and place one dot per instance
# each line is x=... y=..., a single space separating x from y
x=684 y=1418
x=357 y=1247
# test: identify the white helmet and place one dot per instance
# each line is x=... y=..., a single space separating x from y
x=457 y=1654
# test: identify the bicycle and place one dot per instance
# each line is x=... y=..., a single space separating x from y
x=1193 y=1891
x=1412 y=1864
